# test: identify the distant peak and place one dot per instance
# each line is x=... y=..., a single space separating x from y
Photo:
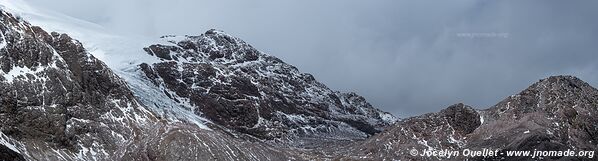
x=550 y=94
x=561 y=82
x=560 y=78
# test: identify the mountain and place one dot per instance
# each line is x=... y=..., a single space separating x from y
x=94 y=96
x=215 y=79
x=57 y=98
x=556 y=113
x=61 y=103
x=208 y=97
x=230 y=83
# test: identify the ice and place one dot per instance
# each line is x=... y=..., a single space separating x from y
x=155 y=99
x=113 y=49
x=120 y=53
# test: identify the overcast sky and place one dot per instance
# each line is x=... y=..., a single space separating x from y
x=405 y=57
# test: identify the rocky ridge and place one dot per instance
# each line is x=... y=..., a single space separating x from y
x=555 y=113
x=61 y=103
x=58 y=101
x=230 y=83
x=215 y=97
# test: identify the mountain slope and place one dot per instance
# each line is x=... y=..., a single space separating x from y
x=229 y=82
x=54 y=93
x=555 y=113
x=215 y=97
x=294 y=104
x=61 y=103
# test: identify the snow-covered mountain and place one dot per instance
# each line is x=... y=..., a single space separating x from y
x=230 y=83
x=218 y=78
x=81 y=93
x=59 y=101
x=190 y=97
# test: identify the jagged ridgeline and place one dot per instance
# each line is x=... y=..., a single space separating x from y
x=58 y=101
x=227 y=81
x=61 y=103
x=215 y=97
x=222 y=100
x=556 y=113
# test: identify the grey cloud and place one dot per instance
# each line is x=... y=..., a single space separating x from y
x=405 y=57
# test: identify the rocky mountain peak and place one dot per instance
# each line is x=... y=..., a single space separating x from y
x=55 y=95
x=229 y=82
x=61 y=103
x=556 y=113
x=553 y=95
x=563 y=84
x=558 y=78
x=215 y=97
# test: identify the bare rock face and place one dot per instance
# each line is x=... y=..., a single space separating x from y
x=552 y=114
x=8 y=154
x=232 y=84
x=58 y=101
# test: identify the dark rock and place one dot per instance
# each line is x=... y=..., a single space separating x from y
x=462 y=118
x=160 y=51
x=7 y=154
x=233 y=84
x=61 y=98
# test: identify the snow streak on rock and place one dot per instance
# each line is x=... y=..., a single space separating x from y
x=61 y=103
x=227 y=81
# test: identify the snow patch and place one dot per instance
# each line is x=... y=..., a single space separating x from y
x=155 y=99
x=17 y=71
x=481 y=119
x=386 y=117
x=6 y=141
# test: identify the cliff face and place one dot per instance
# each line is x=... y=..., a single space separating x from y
x=232 y=84
x=58 y=101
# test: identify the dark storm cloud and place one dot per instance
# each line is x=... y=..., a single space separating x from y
x=406 y=57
